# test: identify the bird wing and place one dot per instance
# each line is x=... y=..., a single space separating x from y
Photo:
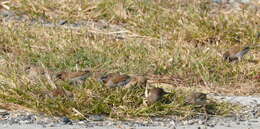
x=243 y=52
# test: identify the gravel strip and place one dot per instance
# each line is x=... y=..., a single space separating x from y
x=248 y=118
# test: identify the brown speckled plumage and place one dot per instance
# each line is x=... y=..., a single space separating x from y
x=61 y=92
x=36 y=72
x=117 y=80
x=155 y=94
x=235 y=53
x=196 y=98
x=74 y=77
x=122 y=80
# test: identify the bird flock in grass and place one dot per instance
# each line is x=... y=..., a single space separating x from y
x=118 y=80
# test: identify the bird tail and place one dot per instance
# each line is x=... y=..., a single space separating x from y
x=243 y=52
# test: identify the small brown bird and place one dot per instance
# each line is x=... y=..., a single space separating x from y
x=74 y=78
x=36 y=72
x=155 y=94
x=236 y=53
x=137 y=80
x=196 y=98
x=104 y=78
x=61 y=92
x=58 y=91
x=116 y=80
x=122 y=80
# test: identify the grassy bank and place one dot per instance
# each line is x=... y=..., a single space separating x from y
x=184 y=39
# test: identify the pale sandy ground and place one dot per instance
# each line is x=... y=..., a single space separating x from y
x=245 y=125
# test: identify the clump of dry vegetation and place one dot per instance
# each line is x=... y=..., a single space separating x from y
x=185 y=39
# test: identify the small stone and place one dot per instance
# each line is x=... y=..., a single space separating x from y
x=81 y=122
x=97 y=117
x=31 y=118
x=25 y=122
x=254 y=121
x=4 y=112
x=200 y=122
x=228 y=125
x=63 y=22
x=242 y=119
x=66 y=120
x=43 y=125
x=54 y=125
x=13 y=121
